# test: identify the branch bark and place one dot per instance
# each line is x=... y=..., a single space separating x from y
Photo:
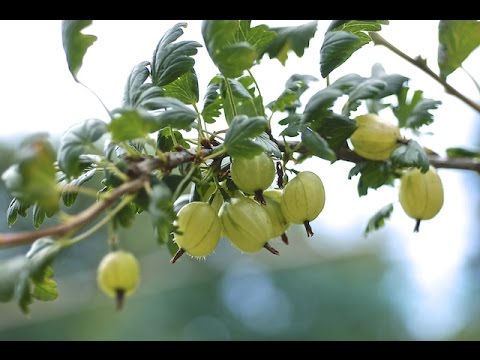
x=141 y=170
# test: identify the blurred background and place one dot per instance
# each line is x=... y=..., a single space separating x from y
x=391 y=285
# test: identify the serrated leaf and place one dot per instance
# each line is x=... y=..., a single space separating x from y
x=134 y=83
x=259 y=36
x=457 y=152
x=415 y=113
x=76 y=141
x=318 y=107
x=161 y=210
x=242 y=129
x=335 y=129
x=126 y=216
x=69 y=197
x=185 y=88
x=172 y=59
x=291 y=38
x=29 y=276
x=76 y=44
x=342 y=39
x=317 y=145
x=367 y=89
x=373 y=174
x=268 y=145
x=377 y=221
x=38 y=216
x=212 y=101
x=289 y=100
x=457 y=40
x=131 y=124
x=168 y=111
x=15 y=208
x=165 y=140
x=410 y=154
x=394 y=82
x=294 y=123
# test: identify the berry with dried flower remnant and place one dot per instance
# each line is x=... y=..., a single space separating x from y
x=274 y=211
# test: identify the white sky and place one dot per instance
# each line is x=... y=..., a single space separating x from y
x=37 y=93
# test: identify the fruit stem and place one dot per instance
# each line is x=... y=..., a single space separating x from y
x=177 y=255
x=271 y=249
x=308 y=228
x=284 y=238
x=119 y=298
x=417 y=226
x=259 y=197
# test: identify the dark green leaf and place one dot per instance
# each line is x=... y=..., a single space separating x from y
x=147 y=92
x=76 y=44
x=368 y=89
x=373 y=174
x=335 y=129
x=185 y=88
x=134 y=84
x=458 y=38
x=318 y=107
x=337 y=47
x=294 y=123
x=317 y=145
x=342 y=39
x=69 y=197
x=170 y=112
x=14 y=209
x=462 y=152
x=295 y=86
x=172 y=59
x=410 y=155
x=38 y=216
x=347 y=82
x=161 y=210
x=77 y=140
x=268 y=145
x=238 y=137
x=212 y=100
x=126 y=216
x=377 y=221
x=394 y=82
x=165 y=140
x=291 y=38
x=415 y=113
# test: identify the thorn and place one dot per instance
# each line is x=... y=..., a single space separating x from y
x=177 y=255
x=279 y=174
x=271 y=249
x=119 y=299
x=284 y=238
x=308 y=228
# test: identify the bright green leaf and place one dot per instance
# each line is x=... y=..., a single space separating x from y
x=410 y=154
x=172 y=59
x=317 y=145
x=77 y=140
x=457 y=38
x=377 y=221
x=185 y=88
x=291 y=38
x=242 y=129
x=415 y=113
x=456 y=152
x=76 y=44
x=131 y=124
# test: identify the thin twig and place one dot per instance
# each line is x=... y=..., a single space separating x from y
x=422 y=64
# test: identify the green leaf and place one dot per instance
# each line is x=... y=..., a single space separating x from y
x=291 y=38
x=456 y=152
x=394 y=82
x=168 y=111
x=415 y=113
x=410 y=154
x=131 y=124
x=289 y=100
x=212 y=101
x=377 y=221
x=294 y=123
x=185 y=88
x=259 y=36
x=342 y=39
x=318 y=107
x=33 y=179
x=16 y=208
x=172 y=59
x=76 y=44
x=268 y=145
x=373 y=174
x=367 y=89
x=335 y=129
x=28 y=277
x=38 y=216
x=229 y=52
x=317 y=145
x=242 y=129
x=69 y=197
x=458 y=38
x=77 y=140
x=337 y=47
x=165 y=140
x=161 y=210
x=133 y=87
x=126 y=216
